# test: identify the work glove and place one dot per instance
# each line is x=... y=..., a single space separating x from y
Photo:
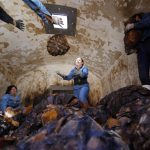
x=57 y=20
x=19 y=24
x=61 y=75
x=129 y=27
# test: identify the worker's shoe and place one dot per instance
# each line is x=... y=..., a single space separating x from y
x=146 y=86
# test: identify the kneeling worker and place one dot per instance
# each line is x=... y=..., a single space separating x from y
x=81 y=86
x=11 y=103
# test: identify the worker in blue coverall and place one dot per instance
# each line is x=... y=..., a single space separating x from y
x=81 y=86
x=42 y=12
x=142 y=23
x=10 y=99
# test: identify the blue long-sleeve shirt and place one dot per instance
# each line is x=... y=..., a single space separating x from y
x=39 y=8
x=79 y=77
x=10 y=101
x=144 y=24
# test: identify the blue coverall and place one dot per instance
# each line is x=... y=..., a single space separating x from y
x=143 y=54
x=81 y=86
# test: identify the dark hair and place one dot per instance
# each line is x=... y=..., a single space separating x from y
x=82 y=59
x=9 y=89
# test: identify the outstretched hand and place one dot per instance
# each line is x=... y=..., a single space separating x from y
x=20 y=24
x=57 y=20
x=61 y=75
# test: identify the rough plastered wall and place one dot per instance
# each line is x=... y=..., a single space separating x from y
x=24 y=59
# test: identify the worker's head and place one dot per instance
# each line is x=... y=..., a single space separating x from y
x=12 y=89
x=79 y=62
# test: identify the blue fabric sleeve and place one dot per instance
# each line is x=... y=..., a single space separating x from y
x=36 y=4
x=4 y=102
x=143 y=23
x=70 y=75
x=84 y=72
x=41 y=6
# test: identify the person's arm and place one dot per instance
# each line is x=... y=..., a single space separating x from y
x=5 y=17
x=48 y=15
x=84 y=72
x=8 y=19
x=4 y=103
x=41 y=10
x=67 y=77
x=143 y=23
x=70 y=75
x=40 y=6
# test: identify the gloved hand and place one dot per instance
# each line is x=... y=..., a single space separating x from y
x=19 y=24
x=129 y=27
x=57 y=20
x=61 y=75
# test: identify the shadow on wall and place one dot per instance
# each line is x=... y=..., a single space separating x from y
x=124 y=72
